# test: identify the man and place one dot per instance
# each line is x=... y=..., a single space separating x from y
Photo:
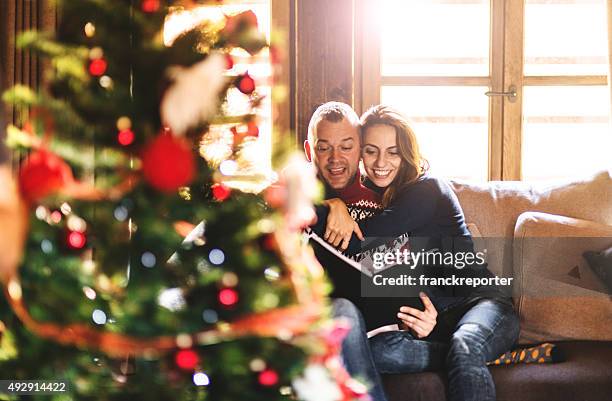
x=333 y=146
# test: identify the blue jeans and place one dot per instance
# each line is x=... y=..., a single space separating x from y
x=485 y=331
x=356 y=353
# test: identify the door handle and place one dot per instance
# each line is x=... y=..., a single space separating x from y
x=511 y=94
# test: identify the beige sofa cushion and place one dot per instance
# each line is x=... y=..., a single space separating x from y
x=494 y=207
x=556 y=294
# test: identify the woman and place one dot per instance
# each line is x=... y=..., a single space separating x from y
x=459 y=328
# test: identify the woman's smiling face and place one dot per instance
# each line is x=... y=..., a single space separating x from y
x=380 y=154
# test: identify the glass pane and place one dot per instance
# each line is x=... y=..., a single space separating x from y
x=566 y=131
x=181 y=20
x=258 y=66
x=451 y=126
x=565 y=37
x=424 y=37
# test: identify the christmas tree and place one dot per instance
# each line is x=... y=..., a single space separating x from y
x=130 y=147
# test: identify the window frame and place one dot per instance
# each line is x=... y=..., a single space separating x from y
x=506 y=58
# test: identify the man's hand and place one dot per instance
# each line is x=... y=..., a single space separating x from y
x=420 y=323
x=340 y=225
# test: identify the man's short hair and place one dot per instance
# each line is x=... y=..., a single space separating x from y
x=333 y=112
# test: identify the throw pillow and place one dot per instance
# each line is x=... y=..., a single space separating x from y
x=601 y=263
x=541 y=353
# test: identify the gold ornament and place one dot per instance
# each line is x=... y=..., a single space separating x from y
x=90 y=29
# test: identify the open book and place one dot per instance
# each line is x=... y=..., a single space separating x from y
x=365 y=260
x=352 y=278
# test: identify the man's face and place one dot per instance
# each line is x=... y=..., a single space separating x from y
x=335 y=152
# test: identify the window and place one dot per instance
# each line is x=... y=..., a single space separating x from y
x=565 y=98
x=435 y=60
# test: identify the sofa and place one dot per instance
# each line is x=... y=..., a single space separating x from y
x=536 y=233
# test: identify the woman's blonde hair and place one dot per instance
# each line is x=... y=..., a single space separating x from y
x=413 y=165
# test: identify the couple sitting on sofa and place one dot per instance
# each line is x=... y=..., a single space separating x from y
x=457 y=329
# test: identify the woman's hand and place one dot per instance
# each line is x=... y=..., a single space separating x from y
x=340 y=225
x=420 y=323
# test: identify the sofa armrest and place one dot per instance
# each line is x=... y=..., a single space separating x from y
x=556 y=294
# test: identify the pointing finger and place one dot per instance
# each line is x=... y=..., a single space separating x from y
x=358 y=232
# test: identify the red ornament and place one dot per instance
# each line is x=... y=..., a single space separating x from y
x=335 y=335
x=238 y=135
x=150 y=6
x=242 y=131
x=246 y=84
x=97 y=67
x=76 y=240
x=27 y=127
x=187 y=359
x=276 y=195
x=269 y=242
x=125 y=137
x=252 y=129
x=221 y=192
x=56 y=216
x=238 y=22
x=228 y=297
x=168 y=163
x=351 y=389
x=229 y=62
x=248 y=18
x=268 y=378
x=41 y=174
